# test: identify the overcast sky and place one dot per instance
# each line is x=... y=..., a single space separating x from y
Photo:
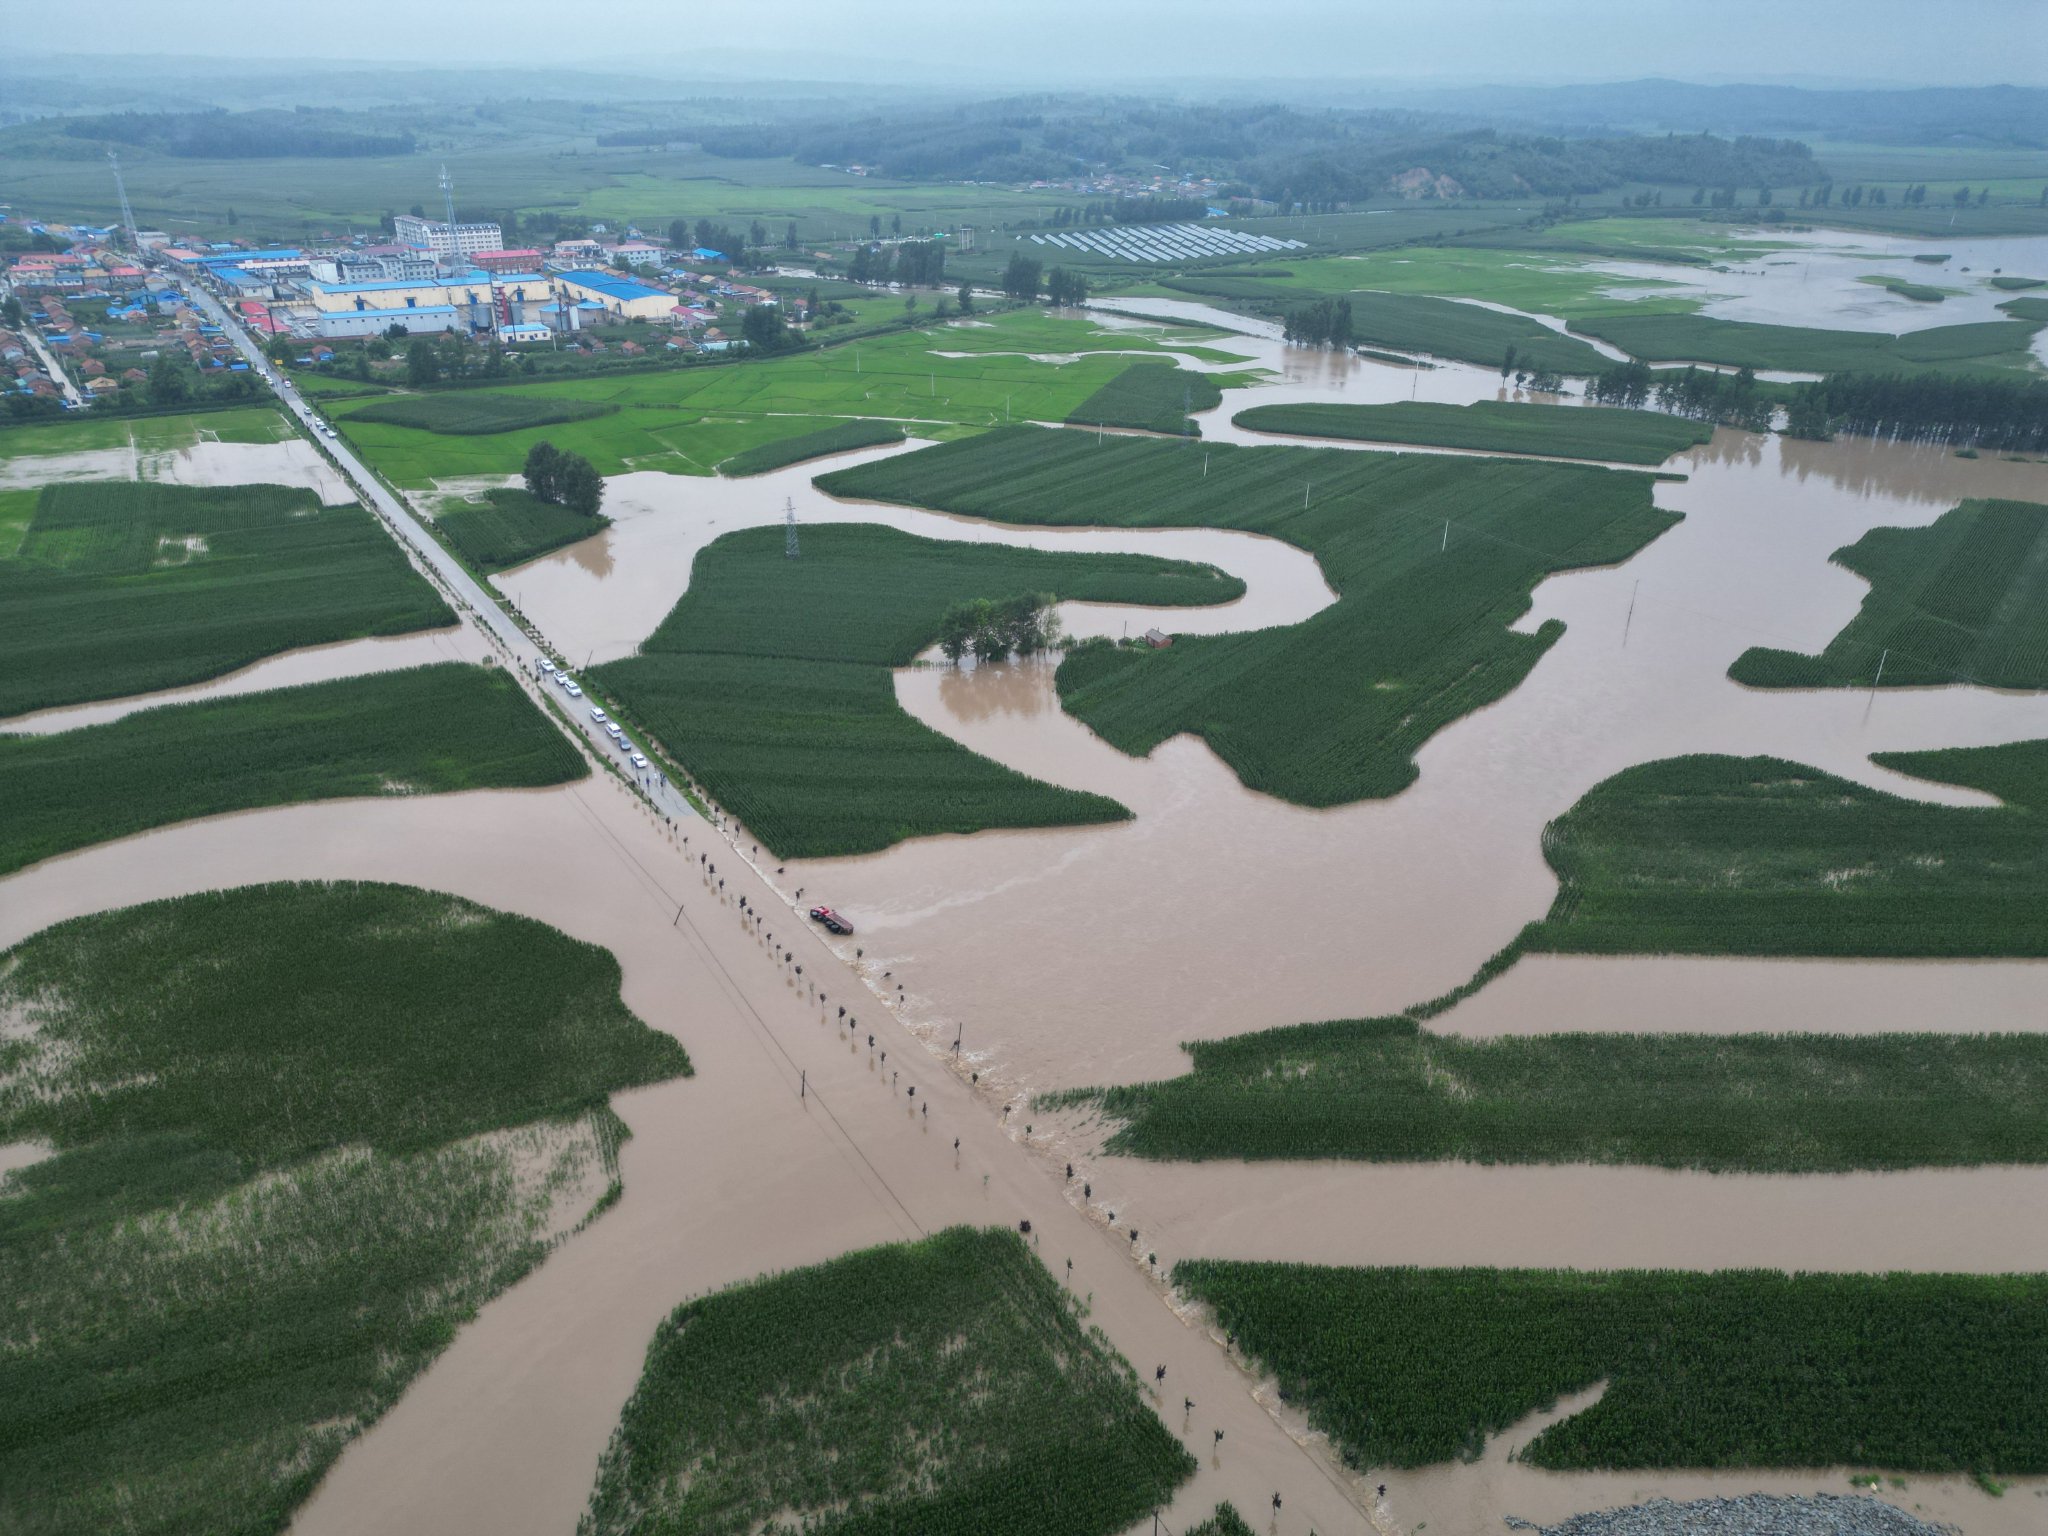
x=1051 y=42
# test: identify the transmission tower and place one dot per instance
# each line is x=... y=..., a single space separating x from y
x=789 y=546
x=127 y=213
x=448 y=201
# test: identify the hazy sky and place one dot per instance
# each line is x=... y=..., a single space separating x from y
x=1050 y=42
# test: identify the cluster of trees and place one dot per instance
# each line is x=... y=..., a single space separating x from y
x=2006 y=414
x=761 y=328
x=915 y=263
x=1296 y=158
x=1065 y=288
x=992 y=629
x=1323 y=323
x=564 y=479
x=1733 y=399
x=435 y=359
x=1023 y=277
x=259 y=135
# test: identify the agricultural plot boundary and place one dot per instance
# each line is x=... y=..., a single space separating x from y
x=945 y=1386
x=129 y=587
x=283 y=1179
x=1493 y=426
x=770 y=682
x=1733 y=1368
x=1964 y=599
x=425 y=730
x=1432 y=557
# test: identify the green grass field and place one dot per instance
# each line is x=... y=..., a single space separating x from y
x=1960 y=601
x=1735 y=1368
x=1757 y=856
x=770 y=682
x=1432 y=557
x=1385 y=1090
x=302 y=1133
x=476 y=412
x=1494 y=426
x=691 y=420
x=946 y=1387
x=841 y=437
x=422 y=731
x=511 y=526
x=127 y=587
x=1151 y=397
x=1742 y=344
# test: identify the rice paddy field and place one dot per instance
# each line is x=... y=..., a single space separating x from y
x=1757 y=856
x=947 y=1386
x=146 y=434
x=1020 y=365
x=1959 y=601
x=427 y=730
x=1387 y=1090
x=509 y=526
x=770 y=682
x=1494 y=426
x=282 y=1180
x=125 y=587
x=1733 y=1368
x=1432 y=558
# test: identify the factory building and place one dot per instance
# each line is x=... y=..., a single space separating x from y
x=446 y=240
x=620 y=297
x=375 y=322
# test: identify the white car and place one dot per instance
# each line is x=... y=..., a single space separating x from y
x=565 y=680
x=572 y=690
x=614 y=732
x=597 y=714
x=639 y=762
x=547 y=668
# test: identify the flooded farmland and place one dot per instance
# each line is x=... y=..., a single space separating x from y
x=1230 y=911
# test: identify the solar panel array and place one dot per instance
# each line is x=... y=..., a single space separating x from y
x=1166 y=242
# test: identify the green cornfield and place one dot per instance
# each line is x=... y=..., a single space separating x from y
x=840 y=437
x=1665 y=338
x=1494 y=426
x=1386 y=1090
x=511 y=526
x=945 y=1387
x=1732 y=1368
x=1758 y=856
x=477 y=413
x=1432 y=557
x=1959 y=601
x=1152 y=396
x=301 y=1133
x=126 y=587
x=770 y=682
x=421 y=731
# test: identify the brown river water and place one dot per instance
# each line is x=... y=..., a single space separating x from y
x=1077 y=957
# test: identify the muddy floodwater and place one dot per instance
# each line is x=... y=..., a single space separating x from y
x=599 y=599
x=1236 y=911
x=1074 y=957
x=291 y=462
x=309 y=664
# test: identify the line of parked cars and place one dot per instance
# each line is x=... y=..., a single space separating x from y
x=549 y=672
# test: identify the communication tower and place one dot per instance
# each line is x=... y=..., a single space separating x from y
x=789 y=545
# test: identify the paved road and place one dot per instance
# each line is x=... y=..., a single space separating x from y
x=482 y=605
x=57 y=375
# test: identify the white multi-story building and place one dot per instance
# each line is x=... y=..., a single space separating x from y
x=444 y=239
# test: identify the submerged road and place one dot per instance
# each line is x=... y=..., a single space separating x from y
x=481 y=604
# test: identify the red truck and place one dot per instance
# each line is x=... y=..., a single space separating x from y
x=832 y=920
